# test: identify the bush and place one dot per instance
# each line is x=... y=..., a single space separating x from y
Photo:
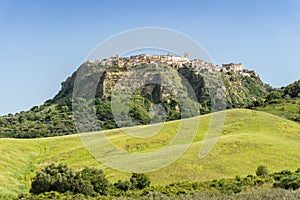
x=97 y=179
x=228 y=186
x=52 y=178
x=139 y=181
x=80 y=186
x=274 y=95
x=288 y=181
x=123 y=185
x=62 y=179
x=293 y=89
x=261 y=171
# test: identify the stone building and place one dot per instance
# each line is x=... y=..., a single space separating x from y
x=233 y=67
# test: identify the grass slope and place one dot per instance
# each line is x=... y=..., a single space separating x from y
x=289 y=109
x=249 y=138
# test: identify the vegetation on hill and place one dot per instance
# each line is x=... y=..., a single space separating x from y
x=88 y=182
x=62 y=179
x=284 y=102
x=55 y=117
x=242 y=91
x=63 y=183
x=40 y=121
x=268 y=140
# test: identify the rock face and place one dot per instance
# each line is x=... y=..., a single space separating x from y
x=154 y=89
x=241 y=88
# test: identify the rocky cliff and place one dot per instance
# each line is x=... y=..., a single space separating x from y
x=241 y=90
x=166 y=93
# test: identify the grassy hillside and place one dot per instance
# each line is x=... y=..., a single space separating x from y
x=289 y=109
x=284 y=102
x=249 y=138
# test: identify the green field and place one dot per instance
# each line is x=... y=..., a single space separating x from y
x=289 y=109
x=249 y=138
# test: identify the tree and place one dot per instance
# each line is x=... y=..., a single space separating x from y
x=62 y=179
x=274 y=95
x=261 y=171
x=268 y=87
x=293 y=89
x=80 y=186
x=139 y=181
x=52 y=178
x=41 y=183
x=123 y=185
x=97 y=179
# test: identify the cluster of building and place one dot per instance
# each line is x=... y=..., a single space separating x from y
x=238 y=69
x=200 y=65
x=175 y=61
x=145 y=59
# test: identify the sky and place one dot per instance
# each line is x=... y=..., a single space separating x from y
x=44 y=42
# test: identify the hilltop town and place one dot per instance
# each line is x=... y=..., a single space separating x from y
x=174 y=61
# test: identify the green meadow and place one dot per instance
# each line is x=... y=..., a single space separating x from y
x=249 y=138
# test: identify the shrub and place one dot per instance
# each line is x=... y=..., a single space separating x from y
x=289 y=181
x=261 y=171
x=139 y=181
x=274 y=95
x=52 y=178
x=62 y=179
x=97 y=179
x=123 y=185
x=80 y=186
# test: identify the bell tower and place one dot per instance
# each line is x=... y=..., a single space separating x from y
x=186 y=54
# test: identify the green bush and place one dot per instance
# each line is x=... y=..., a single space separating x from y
x=139 y=181
x=293 y=89
x=61 y=179
x=287 y=180
x=53 y=178
x=261 y=171
x=96 y=178
x=123 y=185
x=274 y=95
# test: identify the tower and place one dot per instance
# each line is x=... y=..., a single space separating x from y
x=186 y=54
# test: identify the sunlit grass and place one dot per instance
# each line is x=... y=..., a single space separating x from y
x=249 y=139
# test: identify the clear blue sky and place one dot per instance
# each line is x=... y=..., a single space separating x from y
x=43 y=42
